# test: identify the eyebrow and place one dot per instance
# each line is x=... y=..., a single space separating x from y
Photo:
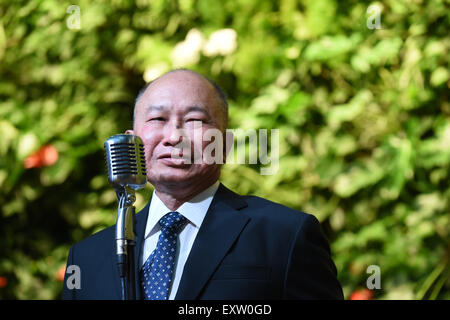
x=198 y=109
x=189 y=109
x=155 y=108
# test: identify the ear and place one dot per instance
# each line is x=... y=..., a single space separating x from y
x=130 y=132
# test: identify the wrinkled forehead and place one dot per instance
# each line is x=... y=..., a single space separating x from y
x=184 y=87
x=180 y=89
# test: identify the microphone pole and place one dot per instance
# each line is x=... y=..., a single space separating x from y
x=125 y=161
x=125 y=242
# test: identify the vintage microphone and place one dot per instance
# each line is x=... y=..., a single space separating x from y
x=125 y=162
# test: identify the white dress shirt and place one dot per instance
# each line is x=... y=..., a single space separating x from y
x=194 y=210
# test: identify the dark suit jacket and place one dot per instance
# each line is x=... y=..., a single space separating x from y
x=247 y=248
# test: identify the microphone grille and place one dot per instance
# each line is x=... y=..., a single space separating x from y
x=124 y=158
x=125 y=161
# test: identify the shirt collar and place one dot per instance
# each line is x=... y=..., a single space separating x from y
x=194 y=210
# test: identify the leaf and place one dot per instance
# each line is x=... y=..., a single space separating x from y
x=349 y=111
x=439 y=76
x=359 y=176
x=329 y=47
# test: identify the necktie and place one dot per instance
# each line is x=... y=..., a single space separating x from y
x=158 y=269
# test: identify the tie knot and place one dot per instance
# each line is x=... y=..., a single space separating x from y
x=173 y=221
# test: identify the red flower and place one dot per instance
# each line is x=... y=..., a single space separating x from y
x=44 y=157
x=3 y=282
x=362 y=294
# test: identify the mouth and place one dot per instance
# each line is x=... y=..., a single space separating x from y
x=167 y=159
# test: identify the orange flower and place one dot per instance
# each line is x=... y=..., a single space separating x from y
x=60 y=274
x=362 y=294
x=3 y=282
x=44 y=157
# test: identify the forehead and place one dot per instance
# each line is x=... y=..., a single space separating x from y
x=178 y=89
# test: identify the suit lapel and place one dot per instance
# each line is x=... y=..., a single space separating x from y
x=221 y=227
x=141 y=221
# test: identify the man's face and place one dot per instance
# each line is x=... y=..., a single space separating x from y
x=166 y=116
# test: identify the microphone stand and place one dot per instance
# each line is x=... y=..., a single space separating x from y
x=125 y=241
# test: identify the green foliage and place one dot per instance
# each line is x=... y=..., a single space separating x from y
x=363 y=115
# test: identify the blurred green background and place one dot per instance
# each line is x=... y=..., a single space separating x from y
x=359 y=94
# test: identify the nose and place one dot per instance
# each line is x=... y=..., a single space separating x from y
x=173 y=135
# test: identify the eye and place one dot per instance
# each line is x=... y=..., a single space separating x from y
x=156 y=119
x=195 y=119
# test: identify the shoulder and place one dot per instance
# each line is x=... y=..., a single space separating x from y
x=267 y=211
x=93 y=245
x=107 y=236
x=263 y=208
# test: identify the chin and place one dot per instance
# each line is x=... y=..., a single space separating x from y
x=163 y=175
x=172 y=178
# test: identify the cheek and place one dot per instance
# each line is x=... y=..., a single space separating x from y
x=150 y=139
x=215 y=139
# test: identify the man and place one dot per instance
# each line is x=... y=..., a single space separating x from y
x=196 y=239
